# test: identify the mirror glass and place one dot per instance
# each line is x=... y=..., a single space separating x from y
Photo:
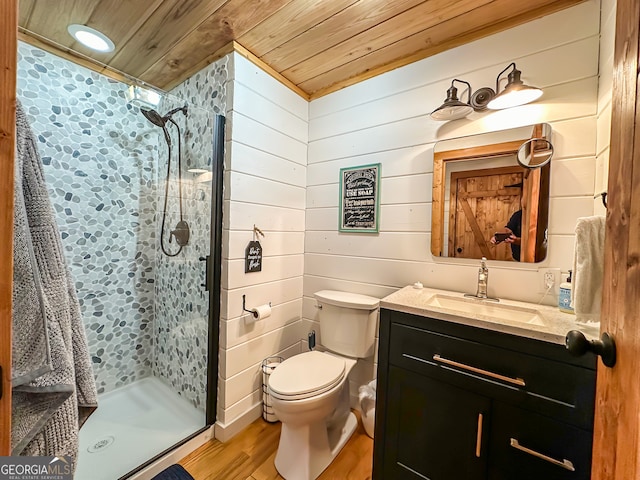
x=491 y=195
x=535 y=153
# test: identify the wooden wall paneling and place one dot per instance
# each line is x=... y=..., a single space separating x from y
x=229 y=22
x=354 y=19
x=253 y=133
x=254 y=161
x=290 y=21
x=173 y=21
x=438 y=39
x=247 y=188
x=249 y=73
x=397 y=162
x=249 y=353
x=395 y=99
x=239 y=331
x=8 y=67
x=376 y=271
x=389 y=245
x=417 y=19
x=263 y=68
x=563 y=102
x=616 y=446
x=244 y=216
x=565 y=210
x=280 y=291
x=323 y=196
x=393 y=218
x=273 y=270
x=260 y=108
x=274 y=244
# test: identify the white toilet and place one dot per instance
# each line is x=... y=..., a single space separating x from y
x=310 y=391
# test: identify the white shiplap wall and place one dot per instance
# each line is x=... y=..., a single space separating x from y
x=264 y=185
x=385 y=119
x=291 y=193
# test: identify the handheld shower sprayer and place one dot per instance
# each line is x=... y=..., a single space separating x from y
x=181 y=233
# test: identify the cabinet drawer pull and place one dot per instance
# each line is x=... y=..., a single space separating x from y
x=515 y=381
x=566 y=464
x=479 y=436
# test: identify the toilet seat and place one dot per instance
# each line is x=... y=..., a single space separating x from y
x=306 y=375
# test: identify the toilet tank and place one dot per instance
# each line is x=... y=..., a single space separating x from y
x=348 y=322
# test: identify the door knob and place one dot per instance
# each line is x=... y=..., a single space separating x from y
x=578 y=345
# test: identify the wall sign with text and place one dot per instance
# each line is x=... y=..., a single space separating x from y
x=253 y=257
x=359 y=199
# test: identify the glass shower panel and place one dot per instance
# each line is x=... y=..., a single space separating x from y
x=146 y=314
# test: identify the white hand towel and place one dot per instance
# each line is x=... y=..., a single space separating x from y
x=588 y=267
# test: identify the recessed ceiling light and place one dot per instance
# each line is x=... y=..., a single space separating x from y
x=92 y=38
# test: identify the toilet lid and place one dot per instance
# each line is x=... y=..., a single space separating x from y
x=306 y=374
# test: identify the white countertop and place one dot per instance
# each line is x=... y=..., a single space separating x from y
x=553 y=328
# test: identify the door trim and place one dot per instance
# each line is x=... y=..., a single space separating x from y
x=8 y=65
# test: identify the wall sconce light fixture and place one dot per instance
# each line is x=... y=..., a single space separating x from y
x=452 y=108
x=515 y=93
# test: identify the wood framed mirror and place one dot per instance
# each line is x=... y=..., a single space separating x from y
x=480 y=189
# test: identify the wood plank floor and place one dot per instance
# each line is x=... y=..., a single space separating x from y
x=250 y=454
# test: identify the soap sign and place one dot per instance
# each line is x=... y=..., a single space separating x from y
x=253 y=257
x=359 y=197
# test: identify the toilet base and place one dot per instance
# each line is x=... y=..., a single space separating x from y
x=305 y=451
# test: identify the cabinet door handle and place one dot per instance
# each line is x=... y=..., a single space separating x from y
x=479 y=436
x=566 y=464
x=516 y=381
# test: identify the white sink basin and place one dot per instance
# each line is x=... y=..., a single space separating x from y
x=484 y=308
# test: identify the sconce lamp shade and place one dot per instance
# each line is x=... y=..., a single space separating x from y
x=452 y=108
x=515 y=93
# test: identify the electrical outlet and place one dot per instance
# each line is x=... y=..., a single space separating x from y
x=549 y=278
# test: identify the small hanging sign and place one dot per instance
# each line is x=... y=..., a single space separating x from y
x=253 y=257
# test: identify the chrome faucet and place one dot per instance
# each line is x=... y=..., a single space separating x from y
x=483 y=279
x=483 y=282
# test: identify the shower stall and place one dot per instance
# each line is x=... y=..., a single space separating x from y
x=136 y=191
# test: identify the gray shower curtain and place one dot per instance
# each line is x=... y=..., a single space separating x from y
x=54 y=389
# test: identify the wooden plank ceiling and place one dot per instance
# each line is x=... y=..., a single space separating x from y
x=315 y=46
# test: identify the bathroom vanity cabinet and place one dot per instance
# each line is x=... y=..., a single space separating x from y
x=462 y=402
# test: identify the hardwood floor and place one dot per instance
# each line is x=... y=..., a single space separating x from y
x=250 y=455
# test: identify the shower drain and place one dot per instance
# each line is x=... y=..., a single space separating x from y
x=101 y=444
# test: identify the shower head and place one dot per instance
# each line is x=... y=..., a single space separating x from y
x=154 y=117
x=157 y=119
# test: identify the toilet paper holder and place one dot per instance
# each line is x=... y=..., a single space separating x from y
x=244 y=307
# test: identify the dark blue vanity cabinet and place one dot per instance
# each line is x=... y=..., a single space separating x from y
x=456 y=402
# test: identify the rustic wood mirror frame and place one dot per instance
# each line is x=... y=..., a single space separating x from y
x=536 y=185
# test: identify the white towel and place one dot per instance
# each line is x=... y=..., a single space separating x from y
x=588 y=267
